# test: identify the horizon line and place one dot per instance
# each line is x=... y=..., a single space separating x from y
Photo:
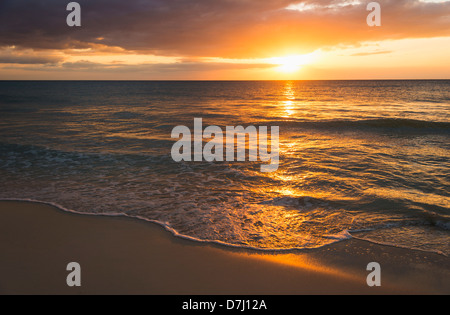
x=206 y=80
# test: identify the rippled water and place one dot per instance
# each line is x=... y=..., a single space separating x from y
x=365 y=159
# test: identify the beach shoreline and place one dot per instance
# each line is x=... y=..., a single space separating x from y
x=122 y=255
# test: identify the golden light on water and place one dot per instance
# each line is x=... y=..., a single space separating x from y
x=289 y=104
x=289 y=109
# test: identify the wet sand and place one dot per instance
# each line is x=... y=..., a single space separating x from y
x=120 y=255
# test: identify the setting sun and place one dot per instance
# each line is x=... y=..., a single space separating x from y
x=289 y=64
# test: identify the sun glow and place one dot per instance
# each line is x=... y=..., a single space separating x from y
x=289 y=64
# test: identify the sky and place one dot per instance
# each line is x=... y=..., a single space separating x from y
x=224 y=40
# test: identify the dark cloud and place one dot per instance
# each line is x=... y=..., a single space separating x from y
x=221 y=28
x=11 y=55
x=28 y=60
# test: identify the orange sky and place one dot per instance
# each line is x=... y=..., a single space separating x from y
x=225 y=40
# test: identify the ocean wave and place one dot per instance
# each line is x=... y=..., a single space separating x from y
x=297 y=202
x=338 y=237
x=126 y=115
x=430 y=100
x=344 y=235
x=415 y=236
x=376 y=125
x=16 y=110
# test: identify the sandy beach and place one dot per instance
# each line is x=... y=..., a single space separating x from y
x=128 y=256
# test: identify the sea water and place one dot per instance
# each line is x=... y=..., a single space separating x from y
x=362 y=159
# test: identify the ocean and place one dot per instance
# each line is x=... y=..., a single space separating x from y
x=358 y=159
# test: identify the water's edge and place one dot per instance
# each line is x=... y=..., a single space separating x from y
x=175 y=233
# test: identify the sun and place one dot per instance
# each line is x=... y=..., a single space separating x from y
x=290 y=64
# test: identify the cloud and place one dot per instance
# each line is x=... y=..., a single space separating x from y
x=11 y=55
x=27 y=60
x=370 y=53
x=182 y=66
x=215 y=28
